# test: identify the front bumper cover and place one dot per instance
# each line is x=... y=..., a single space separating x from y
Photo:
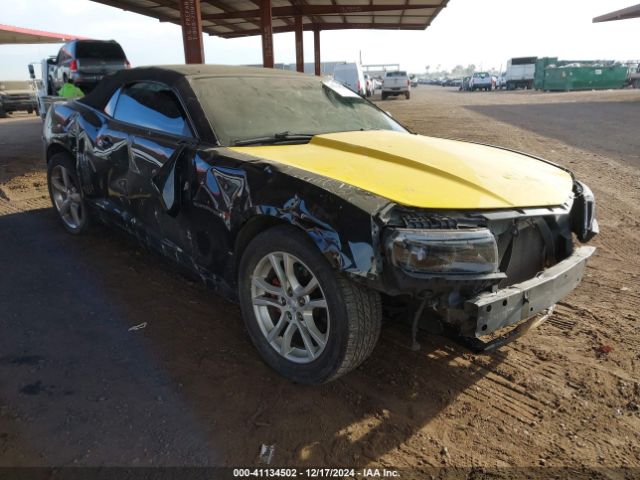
x=493 y=311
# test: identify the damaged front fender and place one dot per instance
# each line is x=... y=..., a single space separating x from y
x=239 y=190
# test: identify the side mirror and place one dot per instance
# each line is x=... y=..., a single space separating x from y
x=167 y=182
x=32 y=72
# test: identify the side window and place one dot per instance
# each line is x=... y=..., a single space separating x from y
x=151 y=105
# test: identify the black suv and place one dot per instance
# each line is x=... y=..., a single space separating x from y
x=85 y=62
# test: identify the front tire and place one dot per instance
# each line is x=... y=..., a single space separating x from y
x=308 y=322
x=66 y=195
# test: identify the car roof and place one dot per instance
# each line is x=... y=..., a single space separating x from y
x=175 y=76
x=200 y=70
x=75 y=41
x=179 y=78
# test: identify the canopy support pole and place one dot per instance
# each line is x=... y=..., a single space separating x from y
x=266 y=27
x=191 y=21
x=316 y=50
x=299 y=44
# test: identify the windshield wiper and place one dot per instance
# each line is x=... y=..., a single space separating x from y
x=283 y=137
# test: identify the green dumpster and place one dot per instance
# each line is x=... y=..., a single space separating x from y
x=541 y=65
x=584 y=77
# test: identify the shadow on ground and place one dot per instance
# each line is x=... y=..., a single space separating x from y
x=80 y=387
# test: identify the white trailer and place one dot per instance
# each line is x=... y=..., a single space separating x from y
x=520 y=73
x=44 y=90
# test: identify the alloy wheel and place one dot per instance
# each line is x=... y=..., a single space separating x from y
x=66 y=197
x=290 y=307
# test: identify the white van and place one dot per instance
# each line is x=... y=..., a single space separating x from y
x=351 y=75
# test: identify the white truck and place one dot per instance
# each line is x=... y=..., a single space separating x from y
x=481 y=81
x=396 y=83
x=41 y=83
x=521 y=73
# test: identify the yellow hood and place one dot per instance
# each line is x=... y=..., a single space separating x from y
x=426 y=172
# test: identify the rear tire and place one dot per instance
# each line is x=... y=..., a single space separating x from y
x=66 y=194
x=383 y=95
x=339 y=335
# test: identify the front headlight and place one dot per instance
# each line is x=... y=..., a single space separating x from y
x=471 y=251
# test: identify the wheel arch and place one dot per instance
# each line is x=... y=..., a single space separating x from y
x=56 y=148
x=337 y=249
x=249 y=230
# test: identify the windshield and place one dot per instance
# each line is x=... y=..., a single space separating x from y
x=244 y=108
x=397 y=74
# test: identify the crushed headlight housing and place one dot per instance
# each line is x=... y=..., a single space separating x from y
x=583 y=214
x=467 y=251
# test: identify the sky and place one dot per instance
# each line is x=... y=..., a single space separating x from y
x=485 y=33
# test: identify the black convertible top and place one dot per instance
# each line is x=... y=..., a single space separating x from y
x=175 y=76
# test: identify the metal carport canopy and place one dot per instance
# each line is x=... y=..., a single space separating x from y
x=624 y=14
x=241 y=18
x=10 y=35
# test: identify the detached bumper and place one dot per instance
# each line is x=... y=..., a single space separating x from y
x=494 y=311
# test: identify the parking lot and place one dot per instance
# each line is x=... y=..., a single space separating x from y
x=80 y=386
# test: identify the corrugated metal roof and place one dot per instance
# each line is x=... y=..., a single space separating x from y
x=240 y=18
x=17 y=35
x=624 y=14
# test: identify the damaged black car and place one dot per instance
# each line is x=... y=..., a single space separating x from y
x=317 y=211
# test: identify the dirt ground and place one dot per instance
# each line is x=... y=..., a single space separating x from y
x=78 y=387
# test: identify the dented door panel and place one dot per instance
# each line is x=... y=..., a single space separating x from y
x=165 y=232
